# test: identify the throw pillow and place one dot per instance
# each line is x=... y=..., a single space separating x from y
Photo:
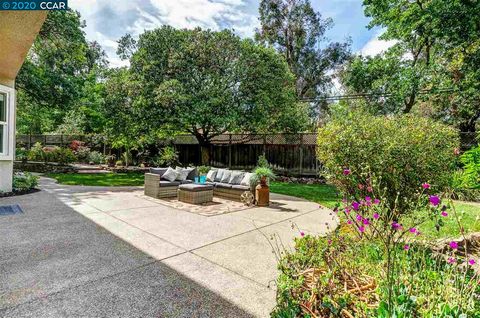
x=182 y=174
x=159 y=171
x=236 y=177
x=192 y=173
x=211 y=175
x=170 y=175
x=219 y=176
x=246 y=179
x=226 y=176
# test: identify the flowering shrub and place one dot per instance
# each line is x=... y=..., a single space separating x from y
x=394 y=176
x=51 y=154
x=397 y=153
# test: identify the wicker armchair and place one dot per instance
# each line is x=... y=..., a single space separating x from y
x=156 y=189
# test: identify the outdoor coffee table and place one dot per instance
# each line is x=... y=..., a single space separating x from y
x=195 y=193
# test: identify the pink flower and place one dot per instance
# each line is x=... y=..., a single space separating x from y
x=359 y=217
x=376 y=216
x=347 y=210
x=368 y=199
x=376 y=201
x=355 y=205
x=360 y=186
x=413 y=230
x=406 y=247
x=366 y=222
x=329 y=242
x=302 y=234
x=361 y=229
x=434 y=200
x=456 y=151
x=471 y=262
x=369 y=189
x=346 y=172
x=444 y=214
x=453 y=245
x=349 y=222
x=451 y=260
x=425 y=185
x=396 y=226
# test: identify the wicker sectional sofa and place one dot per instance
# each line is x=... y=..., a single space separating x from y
x=158 y=188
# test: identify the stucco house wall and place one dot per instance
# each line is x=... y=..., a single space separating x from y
x=18 y=30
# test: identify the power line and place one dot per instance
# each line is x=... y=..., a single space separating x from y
x=376 y=95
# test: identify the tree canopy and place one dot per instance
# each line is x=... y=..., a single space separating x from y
x=208 y=83
x=437 y=53
x=59 y=76
x=297 y=31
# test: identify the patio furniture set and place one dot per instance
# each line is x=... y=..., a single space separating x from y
x=185 y=184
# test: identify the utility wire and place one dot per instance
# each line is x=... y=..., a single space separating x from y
x=377 y=95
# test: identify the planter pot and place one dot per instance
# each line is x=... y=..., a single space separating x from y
x=262 y=193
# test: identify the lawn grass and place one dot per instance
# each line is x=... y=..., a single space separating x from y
x=468 y=213
x=99 y=179
x=324 y=194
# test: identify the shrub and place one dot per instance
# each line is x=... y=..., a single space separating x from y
x=466 y=182
x=96 y=157
x=36 y=153
x=119 y=163
x=21 y=154
x=51 y=154
x=24 y=181
x=75 y=144
x=394 y=155
x=82 y=153
x=262 y=161
x=168 y=156
x=61 y=155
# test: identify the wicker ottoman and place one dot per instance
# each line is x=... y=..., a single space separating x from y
x=195 y=193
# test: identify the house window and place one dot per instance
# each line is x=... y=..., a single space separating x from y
x=3 y=124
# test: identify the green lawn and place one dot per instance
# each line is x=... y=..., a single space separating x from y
x=99 y=179
x=468 y=213
x=324 y=194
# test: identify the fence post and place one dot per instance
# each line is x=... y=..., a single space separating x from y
x=301 y=155
x=30 y=141
x=44 y=140
x=265 y=144
x=230 y=151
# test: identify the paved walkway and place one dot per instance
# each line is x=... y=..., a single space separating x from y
x=176 y=263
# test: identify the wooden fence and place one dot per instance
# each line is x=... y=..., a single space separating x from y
x=292 y=154
x=289 y=154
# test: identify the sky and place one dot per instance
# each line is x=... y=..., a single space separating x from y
x=108 y=20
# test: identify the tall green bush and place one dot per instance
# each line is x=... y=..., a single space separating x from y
x=466 y=183
x=391 y=154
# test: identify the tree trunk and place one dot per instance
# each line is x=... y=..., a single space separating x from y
x=205 y=151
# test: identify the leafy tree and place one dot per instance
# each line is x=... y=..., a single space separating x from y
x=438 y=51
x=298 y=32
x=122 y=127
x=60 y=71
x=209 y=83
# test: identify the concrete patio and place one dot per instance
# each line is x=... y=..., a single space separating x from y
x=228 y=255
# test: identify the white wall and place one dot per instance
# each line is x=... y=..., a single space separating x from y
x=6 y=159
x=6 y=168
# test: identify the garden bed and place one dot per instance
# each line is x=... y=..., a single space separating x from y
x=17 y=193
